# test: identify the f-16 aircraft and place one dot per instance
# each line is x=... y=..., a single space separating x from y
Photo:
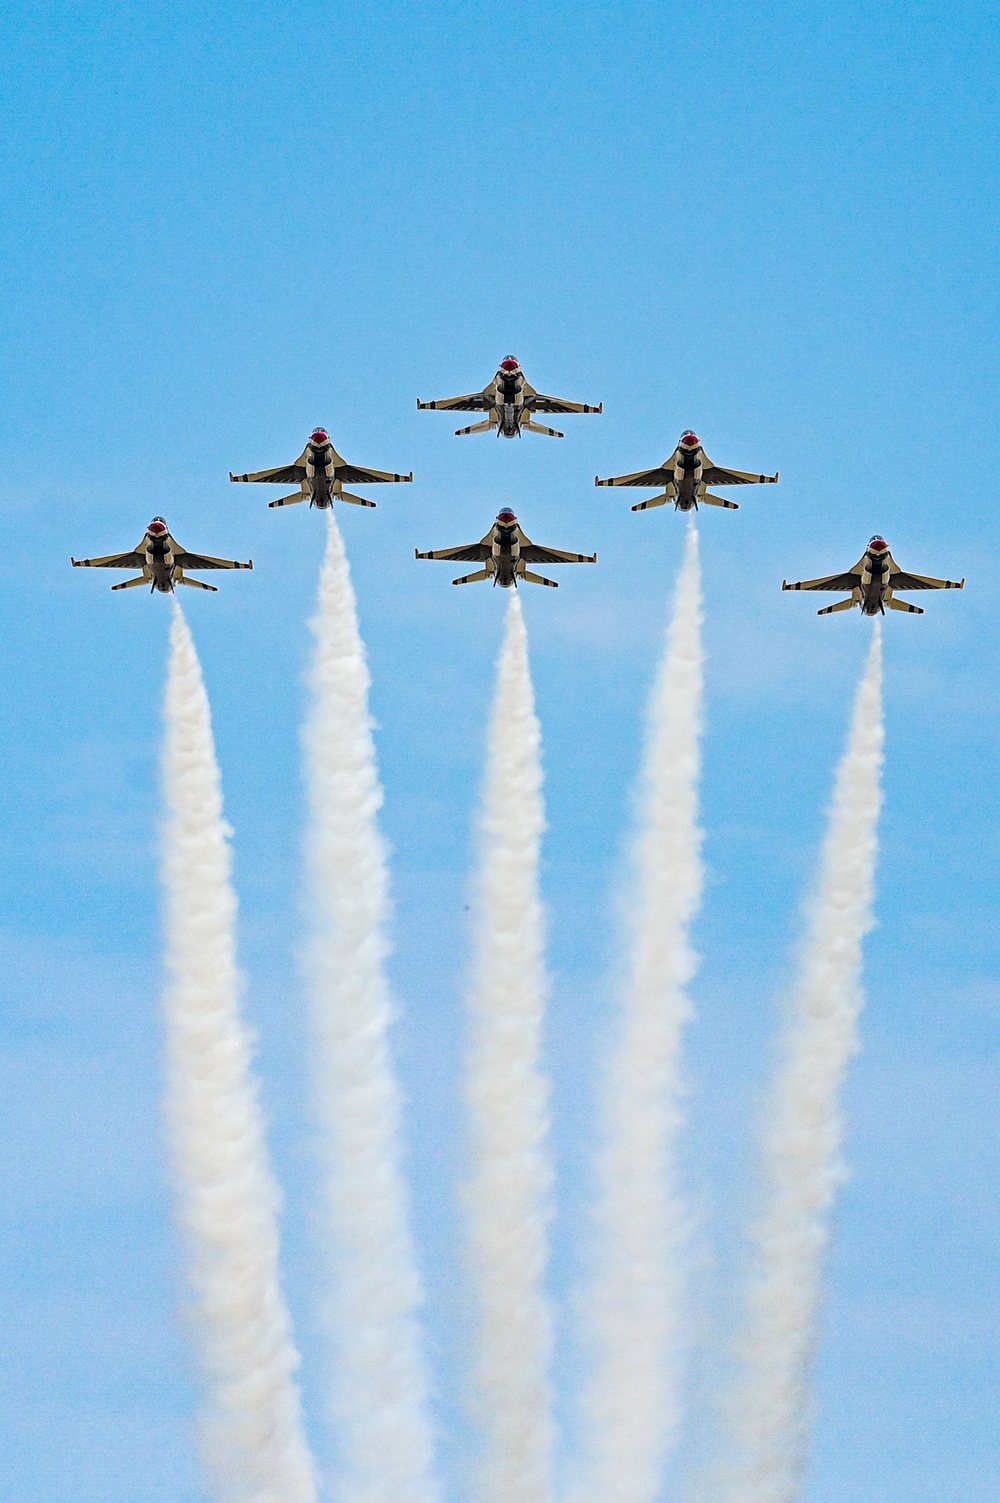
x=509 y=401
x=162 y=560
x=506 y=551
x=320 y=472
x=686 y=476
x=873 y=583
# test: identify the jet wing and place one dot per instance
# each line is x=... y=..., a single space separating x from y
x=714 y=474
x=532 y=553
x=540 y=403
x=468 y=553
x=205 y=561
x=900 y=580
x=355 y=474
x=849 y=581
x=136 y=560
x=284 y=474
x=476 y=401
x=656 y=477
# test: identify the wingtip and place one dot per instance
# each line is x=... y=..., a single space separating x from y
x=600 y=406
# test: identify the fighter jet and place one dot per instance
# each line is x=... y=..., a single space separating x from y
x=320 y=473
x=506 y=552
x=687 y=474
x=162 y=560
x=873 y=582
x=510 y=401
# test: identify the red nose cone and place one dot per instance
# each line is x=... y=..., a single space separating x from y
x=510 y=364
x=319 y=436
x=878 y=545
x=506 y=517
x=157 y=527
x=690 y=440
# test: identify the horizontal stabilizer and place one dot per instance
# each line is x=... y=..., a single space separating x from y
x=842 y=605
x=354 y=500
x=534 y=427
x=194 y=584
x=708 y=500
x=655 y=501
x=466 y=578
x=539 y=579
x=130 y=584
x=284 y=500
x=904 y=605
x=477 y=428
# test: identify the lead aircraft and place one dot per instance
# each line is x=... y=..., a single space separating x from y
x=510 y=400
x=320 y=472
x=686 y=476
x=873 y=582
x=162 y=560
x=506 y=551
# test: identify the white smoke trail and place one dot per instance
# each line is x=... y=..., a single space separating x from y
x=802 y=1140
x=252 y=1434
x=507 y=1195
x=379 y=1387
x=630 y=1402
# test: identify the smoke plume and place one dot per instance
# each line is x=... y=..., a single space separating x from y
x=630 y=1400
x=803 y=1130
x=252 y=1435
x=508 y=1191
x=379 y=1384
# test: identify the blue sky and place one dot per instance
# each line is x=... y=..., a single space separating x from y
x=225 y=224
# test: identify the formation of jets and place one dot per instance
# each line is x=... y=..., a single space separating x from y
x=510 y=403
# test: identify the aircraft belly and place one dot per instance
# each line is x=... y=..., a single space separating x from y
x=510 y=420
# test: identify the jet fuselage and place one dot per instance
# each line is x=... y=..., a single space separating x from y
x=506 y=556
x=160 y=557
x=320 y=470
x=687 y=486
x=874 y=581
x=509 y=387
